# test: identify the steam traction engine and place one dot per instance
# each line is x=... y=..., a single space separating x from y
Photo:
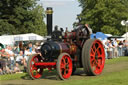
x=67 y=52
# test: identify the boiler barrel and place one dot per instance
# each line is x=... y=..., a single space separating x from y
x=53 y=49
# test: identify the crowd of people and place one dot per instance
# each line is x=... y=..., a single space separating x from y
x=115 y=48
x=13 y=58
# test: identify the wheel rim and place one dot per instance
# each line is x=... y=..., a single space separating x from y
x=97 y=57
x=35 y=71
x=66 y=67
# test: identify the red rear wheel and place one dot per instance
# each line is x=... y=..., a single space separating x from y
x=34 y=71
x=93 y=57
x=64 y=66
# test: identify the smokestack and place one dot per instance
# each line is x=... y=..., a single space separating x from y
x=49 y=12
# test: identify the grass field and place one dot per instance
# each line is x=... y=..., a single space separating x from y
x=114 y=78
x=115 y=73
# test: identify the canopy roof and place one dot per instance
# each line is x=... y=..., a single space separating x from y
x=27 y=37
x=125 y=35
x=10 y=39
x=99 y=35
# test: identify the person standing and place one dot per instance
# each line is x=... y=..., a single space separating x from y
x=125 y=47
x=110 y=49
x=120 y=46
x=6 y=57
x=11 y=57
x=115 y=49
x=106 y=48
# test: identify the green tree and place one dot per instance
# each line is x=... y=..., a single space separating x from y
x=104 y=15
x=21 y=16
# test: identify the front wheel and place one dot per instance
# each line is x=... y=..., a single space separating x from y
x=34 y=71
x=64 y=66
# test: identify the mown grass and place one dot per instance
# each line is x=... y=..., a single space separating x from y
x=115 y=78
x=12 y=76
x=116 y=60
x=103 y=79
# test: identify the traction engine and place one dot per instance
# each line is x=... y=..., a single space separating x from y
x=67 y=52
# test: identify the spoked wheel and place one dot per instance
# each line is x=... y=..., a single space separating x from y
x=64 y=66
x=34 y=71
x=93 y=57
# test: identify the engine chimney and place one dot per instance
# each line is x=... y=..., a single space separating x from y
x=49 y=12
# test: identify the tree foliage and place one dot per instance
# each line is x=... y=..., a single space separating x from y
x=104 y=15
x=21 y=16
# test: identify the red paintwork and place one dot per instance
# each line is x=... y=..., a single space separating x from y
x=70 y=35
x=67 y=48
x=45 y=64
x=35 y=71
x=73 y=49
x=64 y=48
x=97 y=64
x=66 y=66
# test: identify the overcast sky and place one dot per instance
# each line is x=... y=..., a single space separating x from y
x=65 y=11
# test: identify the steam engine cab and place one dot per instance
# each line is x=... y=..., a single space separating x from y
x=70 y=42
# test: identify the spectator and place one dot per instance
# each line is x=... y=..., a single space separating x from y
x=6 y=59
x=37 y=47
x=11 y=56
x=33 y=51
x=120 y=50
x=1 y=72
x=110 y=49
x=16 y=68
x=106 y=48
x=20 y=60
x=30 y=47
x=27 y=53
x=16 y=49
x=125 y=47
x=2 y=66
x=115 y=50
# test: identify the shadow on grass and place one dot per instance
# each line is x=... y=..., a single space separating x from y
x=53 y=75
x=45 y=75
x=13 y=84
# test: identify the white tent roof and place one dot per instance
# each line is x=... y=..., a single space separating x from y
x=125 y=35
x=10 y=39
x=7 y=39
x=109 y=35
x=27 y=37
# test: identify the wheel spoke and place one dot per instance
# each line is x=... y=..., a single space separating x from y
x=92 y=52
x=33 y=67
x=94 y=48
x=63 y=60
x=100 y=57
x=92 y=61
x=65 y=72
x=62 y=66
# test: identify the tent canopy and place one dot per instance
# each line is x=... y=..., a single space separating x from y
x=27 y=37
x=115 y=36
x=10 y=39
x=99 y=35
x=125 y=35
